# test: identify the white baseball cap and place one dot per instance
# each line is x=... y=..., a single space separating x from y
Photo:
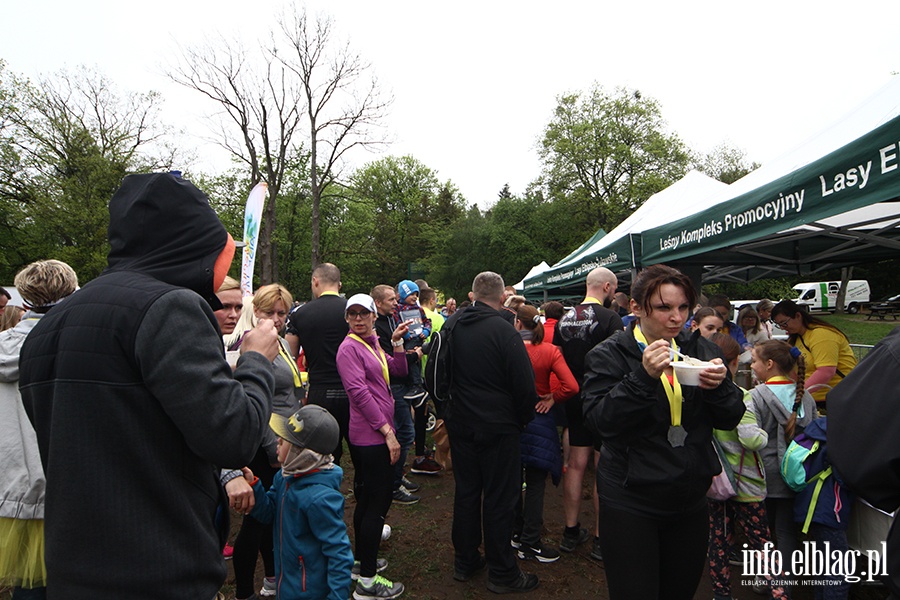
x=364 y=300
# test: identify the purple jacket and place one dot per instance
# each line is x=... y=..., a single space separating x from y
x=371 y=402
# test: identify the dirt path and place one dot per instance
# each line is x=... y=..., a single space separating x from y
x=420 y=553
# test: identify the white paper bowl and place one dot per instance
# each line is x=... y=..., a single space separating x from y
x=690 y=374
x=232 y=356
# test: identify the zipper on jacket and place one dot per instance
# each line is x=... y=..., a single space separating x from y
x=280 y=542
x=302 y=574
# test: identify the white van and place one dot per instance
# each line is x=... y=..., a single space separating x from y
x=822 y=295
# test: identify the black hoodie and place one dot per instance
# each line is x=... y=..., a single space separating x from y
x=162 y=225
x=493 y=382
x=134 y=407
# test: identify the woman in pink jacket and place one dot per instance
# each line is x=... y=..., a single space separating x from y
x=365 y=371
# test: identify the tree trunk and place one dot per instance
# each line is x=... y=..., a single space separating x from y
x=316 y=197
x=846 y=274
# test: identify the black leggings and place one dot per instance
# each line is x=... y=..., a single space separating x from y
x=335 y=401
x=649 y=558
x=373 y=487
x=420 y=423
x=254 y=538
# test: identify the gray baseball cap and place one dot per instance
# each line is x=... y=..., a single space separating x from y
x=310 y=427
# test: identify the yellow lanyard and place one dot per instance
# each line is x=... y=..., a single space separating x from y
x=292 y=365
x=673 y=390
x=379 y=356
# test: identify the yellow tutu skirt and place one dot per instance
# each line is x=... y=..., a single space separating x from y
x=22 y=553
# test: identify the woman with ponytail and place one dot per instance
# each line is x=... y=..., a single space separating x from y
x=783 y=409
x=747 y=508
x=825 y=348
x=540 y=448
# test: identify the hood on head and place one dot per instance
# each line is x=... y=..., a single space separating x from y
x=163 y=226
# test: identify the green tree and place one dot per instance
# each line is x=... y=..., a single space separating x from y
x=775 y=288
x=726 y=163
x=607 y=153
x=67 y=141
x=228 y=196
x=463 y=251
x=405 y=210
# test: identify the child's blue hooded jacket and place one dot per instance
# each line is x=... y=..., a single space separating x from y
x=313 y=558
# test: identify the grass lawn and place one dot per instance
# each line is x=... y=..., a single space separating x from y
x=858 y=330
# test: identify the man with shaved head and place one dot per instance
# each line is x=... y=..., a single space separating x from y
x=576 y=334
x=492 y=399
x=319 y=328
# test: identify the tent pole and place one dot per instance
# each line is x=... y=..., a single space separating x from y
x=695 y=272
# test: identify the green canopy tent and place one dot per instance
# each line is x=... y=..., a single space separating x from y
x=532 y=285
x=619 y=249
x=831 y=202
x=538 y=268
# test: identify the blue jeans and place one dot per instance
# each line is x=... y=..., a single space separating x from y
x=403 y=426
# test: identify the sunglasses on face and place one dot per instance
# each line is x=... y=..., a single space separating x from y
x=352 y=314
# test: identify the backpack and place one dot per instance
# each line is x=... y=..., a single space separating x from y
x=724 y=485
x=439 y=367
x=806 y=462
x=796 y=466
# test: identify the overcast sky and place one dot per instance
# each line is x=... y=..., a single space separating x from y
x=474 y=83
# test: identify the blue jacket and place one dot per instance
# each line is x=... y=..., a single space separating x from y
x=737 y=333
x=540 y=446
x=313 y=558
x=833 y=504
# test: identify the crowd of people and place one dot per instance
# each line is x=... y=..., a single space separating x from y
x=142 y=410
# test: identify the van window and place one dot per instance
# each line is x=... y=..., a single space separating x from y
x=809 y=294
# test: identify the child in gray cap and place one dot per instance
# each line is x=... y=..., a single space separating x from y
x=306 y=508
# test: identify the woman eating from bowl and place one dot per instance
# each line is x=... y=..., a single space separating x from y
x=657 y=460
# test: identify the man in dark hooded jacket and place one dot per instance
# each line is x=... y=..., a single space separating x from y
x=492 y=398
x=134 y=405
x=864 y=424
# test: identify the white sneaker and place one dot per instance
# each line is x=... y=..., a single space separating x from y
x=380 y=565
x=268 y=589
x=385 y=532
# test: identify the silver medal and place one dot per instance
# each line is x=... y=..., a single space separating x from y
x=676 y=436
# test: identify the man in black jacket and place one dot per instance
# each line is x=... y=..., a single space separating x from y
x=134 y=405
x=385 y=298
x=863 y=429
x=492 y=398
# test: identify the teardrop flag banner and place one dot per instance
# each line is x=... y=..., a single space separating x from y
x=252 y=218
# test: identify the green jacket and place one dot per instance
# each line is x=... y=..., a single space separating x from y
x=741 y=445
